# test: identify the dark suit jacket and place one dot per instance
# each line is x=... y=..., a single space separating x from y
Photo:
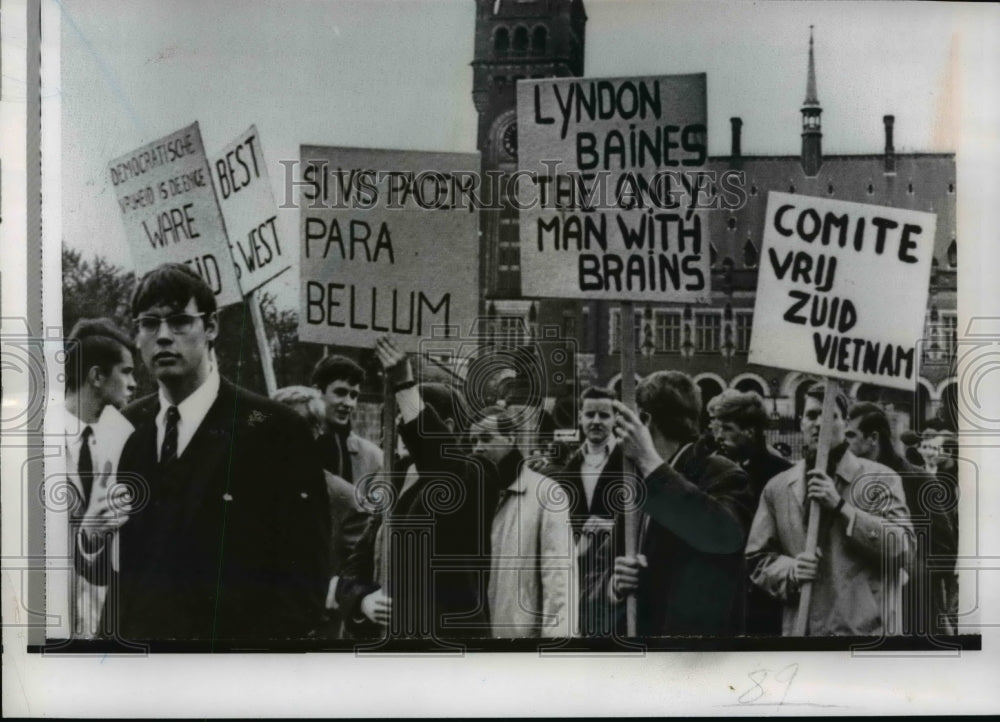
x=230 y=541
x=569 y=478
x=699 y=512
x=438 y=589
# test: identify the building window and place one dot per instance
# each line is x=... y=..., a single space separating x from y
x=744 y=327
x=829 y=189
x=731 y=224
x=713 y=254
x=587 y=337
x=753 y=190
x=614 y=337
x=951 y=187
x=707 y=331
x=949 y=332
x=520 y=43
x=501 y=41
x=539 y=39
x=909 y=188
x=569 y=325
x=750 y=255
x=791 y=189
x=952 y=254
x=667 y=326
x=940 y=335
x=511 y=331
x=871 y=189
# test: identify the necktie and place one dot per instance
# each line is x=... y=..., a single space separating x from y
x=85 y=465
x=168 y=452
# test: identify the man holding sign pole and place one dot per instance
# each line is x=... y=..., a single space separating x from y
x=688 y=576
x=863 y=520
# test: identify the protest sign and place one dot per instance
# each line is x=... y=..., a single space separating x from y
x=165 y=195
x=842 y=289
x=389 y=245
x=610 y=188
x=251 y=216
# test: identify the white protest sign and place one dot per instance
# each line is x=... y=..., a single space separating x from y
x=610 y=185
x=168 y=205
x=842 y=289
x=389 y=244
x=251 y=215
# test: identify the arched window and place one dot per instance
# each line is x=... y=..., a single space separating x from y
x=501 y=40
x=713 y=254
x=952 y=254
x=731 y=224
x=750 y=255
x=539 y=39
x=520 y=39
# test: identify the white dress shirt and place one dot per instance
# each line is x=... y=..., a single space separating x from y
x=192 y=410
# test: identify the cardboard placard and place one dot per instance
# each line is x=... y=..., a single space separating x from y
x=248 y=207
x=609 y=188
x=842 y=290
x=389 y=244
x=165 y=195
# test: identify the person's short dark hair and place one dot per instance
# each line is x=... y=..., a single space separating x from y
x=444 y=400
x=172 y=284
x=597 y=392
x=336 y=368
x=818 y=391
x=873 y=419
x=744 y=408
x=910 y=438
x=93 y=342
x=506 y=424
x=673 y=402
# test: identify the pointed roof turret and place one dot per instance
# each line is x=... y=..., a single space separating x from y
x=811 y=95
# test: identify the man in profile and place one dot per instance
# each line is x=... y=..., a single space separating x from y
x=688 y=575
x=100 y=380
x=739 y=421
x=344 y=453
x=227 y=540
x=869 y=436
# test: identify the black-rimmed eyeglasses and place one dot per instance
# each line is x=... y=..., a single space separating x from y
x=176 y=322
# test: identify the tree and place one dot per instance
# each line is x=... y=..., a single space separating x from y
x=97 y=289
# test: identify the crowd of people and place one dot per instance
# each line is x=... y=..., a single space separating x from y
x=207 y=513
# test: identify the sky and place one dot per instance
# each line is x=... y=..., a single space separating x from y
x=396 y=75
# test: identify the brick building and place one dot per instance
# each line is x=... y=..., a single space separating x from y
x=517 y=39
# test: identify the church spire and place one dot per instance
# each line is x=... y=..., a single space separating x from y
x=811 y=96
x=812 y=135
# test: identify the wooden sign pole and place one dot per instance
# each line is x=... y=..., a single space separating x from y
x=388 y=451
x=812 y=531
x=630 y=514
x=263 y=347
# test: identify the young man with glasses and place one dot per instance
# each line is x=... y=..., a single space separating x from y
x=229 y=529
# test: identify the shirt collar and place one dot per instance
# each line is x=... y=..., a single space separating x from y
x=678 y=453
x=606 y=448
x=192 y=410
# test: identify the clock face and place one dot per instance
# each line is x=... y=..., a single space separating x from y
x=509 y=140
